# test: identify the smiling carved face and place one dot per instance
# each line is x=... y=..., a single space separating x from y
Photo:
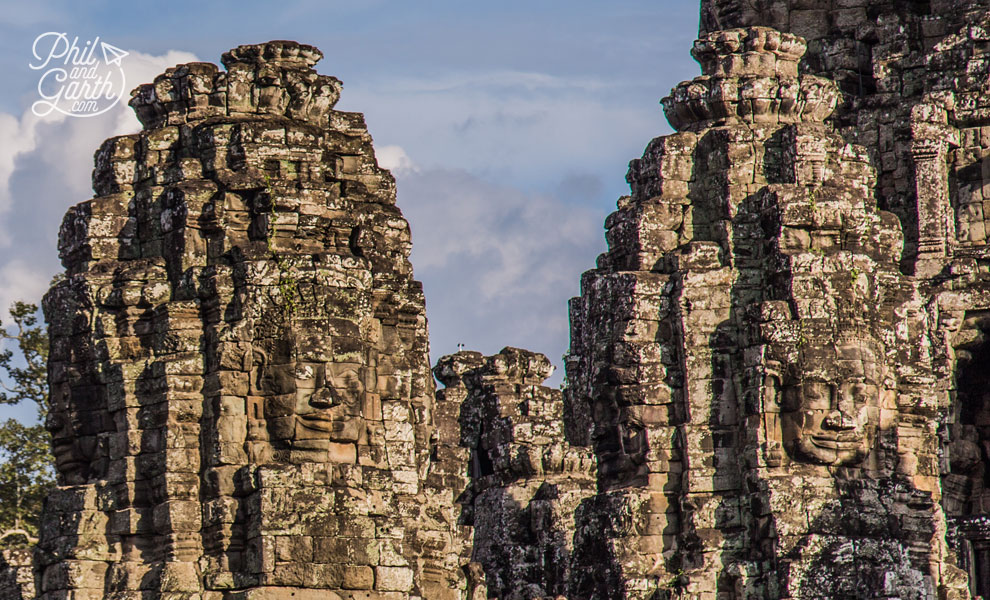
x=831 y=416
x=71 y=451
x=311 y=402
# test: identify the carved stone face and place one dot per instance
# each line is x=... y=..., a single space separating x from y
x=74 y=439
x=69 y=460
x=831 y=416
x=311 y=402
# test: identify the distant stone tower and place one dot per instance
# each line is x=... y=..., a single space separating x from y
x=242 y=402
x=527 y=478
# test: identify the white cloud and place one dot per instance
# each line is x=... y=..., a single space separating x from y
x=45 y=167
x=498 y=264
x=20 y=282
x=395 y=159
x=19 y=135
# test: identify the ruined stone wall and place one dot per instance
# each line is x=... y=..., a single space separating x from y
x=16 y=574
x=242 y=403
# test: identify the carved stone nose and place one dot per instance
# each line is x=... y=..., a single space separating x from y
x=839 y=422
x=322 y=398
x=54 y=423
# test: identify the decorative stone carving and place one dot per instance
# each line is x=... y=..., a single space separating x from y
x=312 y=403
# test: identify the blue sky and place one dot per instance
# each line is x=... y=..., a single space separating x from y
x=509 y=126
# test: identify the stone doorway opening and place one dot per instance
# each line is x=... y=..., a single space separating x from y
x=966 y=453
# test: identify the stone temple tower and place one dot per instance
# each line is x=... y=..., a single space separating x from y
x=742 y=353
x=915 y=77
x=241 y=390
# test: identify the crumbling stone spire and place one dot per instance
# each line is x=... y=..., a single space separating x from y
x=526 y=478
x=912 y=75
x=242 y=403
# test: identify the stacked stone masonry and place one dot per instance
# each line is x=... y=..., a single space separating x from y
x=241 y=389
x=746 y=352
x=776 y=384
x=16 y=574
x=527 y=479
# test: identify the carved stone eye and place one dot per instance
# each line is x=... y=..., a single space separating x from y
x=790 y=399
x=817 y=395
x=305 y=372
x=54 y=422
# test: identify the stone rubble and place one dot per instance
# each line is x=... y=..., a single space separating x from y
x=775 y=386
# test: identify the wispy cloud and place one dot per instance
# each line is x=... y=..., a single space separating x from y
x=498 y=264
x=395 y=159
x=515 y=81
x=45 y=167
x=522 y=133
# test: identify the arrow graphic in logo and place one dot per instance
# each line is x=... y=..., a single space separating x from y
x=74 y=82
x=114 y=52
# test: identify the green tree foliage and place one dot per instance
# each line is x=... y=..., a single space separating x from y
x=26 y=464
x=26 y=475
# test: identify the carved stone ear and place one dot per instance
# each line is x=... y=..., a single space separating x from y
x=772 y=366
x=772 y=384
x=774 y=453
x=260 y=360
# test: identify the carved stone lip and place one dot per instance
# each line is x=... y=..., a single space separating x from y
x=836 y=442
x=316 y=422
x=62 y=445
x=312 y=445
x=65 y=457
